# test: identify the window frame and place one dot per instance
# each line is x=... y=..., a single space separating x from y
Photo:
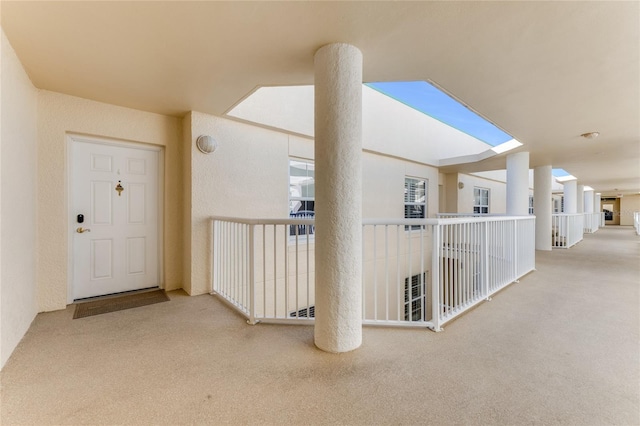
x=531 y=204
x=478 y=207
x=424 y=203
x=301 y=230
x=411 y=301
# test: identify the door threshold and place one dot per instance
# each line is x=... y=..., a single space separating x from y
x=112 y=295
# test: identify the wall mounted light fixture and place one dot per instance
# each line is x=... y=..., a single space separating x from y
x=206 y=144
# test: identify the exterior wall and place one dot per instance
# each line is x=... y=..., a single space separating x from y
x=388 y=126
x=497 y=194
x=395 y=129
x=248 y=175
x=628 y=205
x=383 y=185
x=60 y=114
x=19 y=100
x=451 y=190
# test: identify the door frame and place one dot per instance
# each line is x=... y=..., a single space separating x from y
x=71 y=223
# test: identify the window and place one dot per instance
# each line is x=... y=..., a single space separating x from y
x=301 y=194
x=414 y=297
x=480 y=200
x=309 y=312
x=415 y=199
x=530 y=204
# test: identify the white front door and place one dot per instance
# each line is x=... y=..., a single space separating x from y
x=114 y=221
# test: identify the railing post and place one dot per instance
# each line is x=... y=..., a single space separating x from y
x=515 y=250
x=252 y=292
x=436 y=264
x=485 y=272
x=214 y=251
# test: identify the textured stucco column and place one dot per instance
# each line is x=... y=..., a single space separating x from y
x=580 y=199
x=570 y=196
x=542 y=206
x=518 y=184
x=338 y=175
x=588 y=201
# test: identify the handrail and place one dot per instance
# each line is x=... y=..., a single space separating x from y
x=374 y=221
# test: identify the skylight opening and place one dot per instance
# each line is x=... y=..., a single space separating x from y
x=562 y=175
x=430 y=100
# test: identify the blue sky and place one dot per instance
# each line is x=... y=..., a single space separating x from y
x=429 y=100
x=560 y=172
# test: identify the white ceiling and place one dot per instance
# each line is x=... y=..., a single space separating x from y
x=545 y=72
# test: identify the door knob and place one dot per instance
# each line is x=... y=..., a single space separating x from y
x=81 y=230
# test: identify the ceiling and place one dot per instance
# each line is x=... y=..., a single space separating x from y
x=545 y=72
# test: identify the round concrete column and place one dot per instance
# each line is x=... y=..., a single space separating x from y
x=518 y=184
x=542 y=206
x=338 y=175
x=580 y=199
x=571 y=196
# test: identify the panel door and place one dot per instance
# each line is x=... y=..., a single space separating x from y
x=115 y=248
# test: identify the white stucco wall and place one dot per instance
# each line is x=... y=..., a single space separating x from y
x=246 y=177
x=60 y=114
x=497 y=194
x=388 y=126
x=18 y=200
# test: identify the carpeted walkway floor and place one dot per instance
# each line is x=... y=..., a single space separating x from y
x=560 y=347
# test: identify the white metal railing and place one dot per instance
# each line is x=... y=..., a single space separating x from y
x=591 y=222
x=416 y=272
x=567 y=229
x=265 y=267
x=457 y=215
x=636 y=222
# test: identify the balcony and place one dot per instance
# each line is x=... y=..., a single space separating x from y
x=560 y=347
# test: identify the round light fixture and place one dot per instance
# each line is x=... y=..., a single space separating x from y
x=590 y=135
x=206 y=144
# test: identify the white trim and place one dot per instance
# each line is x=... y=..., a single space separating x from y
x=72 y=138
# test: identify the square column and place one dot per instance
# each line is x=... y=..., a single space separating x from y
x=570 y=196
x=589 y=197
x=542 y=206
x=338 y=203
x=580 y=199
x=518 y=184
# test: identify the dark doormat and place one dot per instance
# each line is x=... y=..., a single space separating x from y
x=119 y=303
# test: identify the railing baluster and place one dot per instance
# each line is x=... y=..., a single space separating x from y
x=471 y=258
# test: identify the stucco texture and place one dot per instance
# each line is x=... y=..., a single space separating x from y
x=246 y=177
x=59 y=115
x=338 y=154
x=18 y=200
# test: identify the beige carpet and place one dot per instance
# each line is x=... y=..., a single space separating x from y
x=560 y=347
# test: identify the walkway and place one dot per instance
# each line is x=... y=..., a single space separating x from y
x=560 y=347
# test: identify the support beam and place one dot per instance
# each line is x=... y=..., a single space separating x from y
x=338 y=156
x=518 y=184
x=580 y=199
x=542 y=206
x=589 y=197
x=570 y=196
